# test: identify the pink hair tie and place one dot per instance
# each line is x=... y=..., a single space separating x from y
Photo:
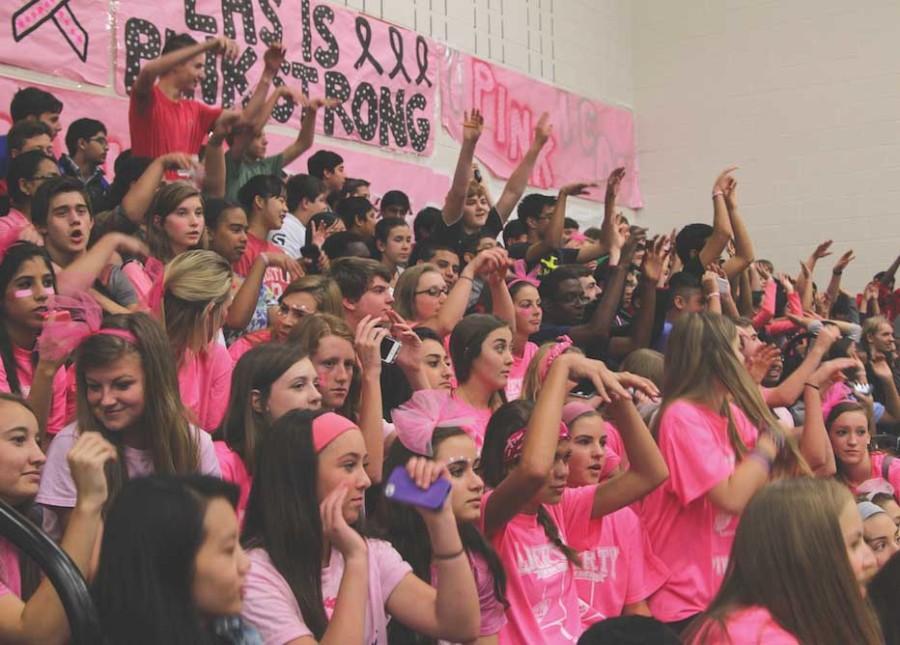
x=328 y=427
x=416 y=420
x=513 y=449
x=520 y=273
x=71 y=320
x=562 y=344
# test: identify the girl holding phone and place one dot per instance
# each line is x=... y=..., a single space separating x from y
x=314 y=576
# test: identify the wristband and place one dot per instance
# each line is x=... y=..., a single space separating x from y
x=837 y=272
x=718 y=193
x=815 y=387
x=465 y=277
x=449 y=556
x=714 y=294
x=762 y=459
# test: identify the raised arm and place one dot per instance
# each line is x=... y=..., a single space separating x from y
x=539 y=448
x=648 y=468
x=307 y=134
x=789 y=390
x=552 y=239
x=454 y=307
x=743 y=244
x=456 y=198
x=371 y=422
x=722 y=232
x=80 y=274
x=518 y=180
x=153 y=69
x=834 y=285
x=137 y=200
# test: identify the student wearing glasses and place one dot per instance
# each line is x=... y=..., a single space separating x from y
x=87 y=145
x=423 y=298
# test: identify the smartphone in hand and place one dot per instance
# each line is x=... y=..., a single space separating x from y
x=401 y=488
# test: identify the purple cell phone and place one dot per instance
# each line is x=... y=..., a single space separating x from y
x=401 y=488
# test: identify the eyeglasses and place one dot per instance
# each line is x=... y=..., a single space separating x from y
x=43 y=177
x=572 y=297
x=103 y=141
x=434 y=292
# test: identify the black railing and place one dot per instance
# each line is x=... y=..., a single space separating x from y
x=59 y=569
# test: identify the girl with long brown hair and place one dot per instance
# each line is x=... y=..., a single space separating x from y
x=721 y=443
x=127 y=391
x=797 y=572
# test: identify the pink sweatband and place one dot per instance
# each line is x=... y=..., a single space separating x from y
x=563 y=343
x=328 y=427
x=575 y=410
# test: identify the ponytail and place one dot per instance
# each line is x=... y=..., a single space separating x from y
x=552 y=533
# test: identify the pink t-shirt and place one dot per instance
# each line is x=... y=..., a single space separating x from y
x=540 y=581
x=493 y=613
x=25 y=372
x=233 y=470
x=517 y=371
x=479 y=421
x=269 y=603
x=689 y=533
x=11 y=226
x=247 y=342
x=747 y=626
x=613 y=570
x=10 y=574
x=58 y=489
x=893 y=478
x=274 y=279
x=159 y=125
x=204 y=381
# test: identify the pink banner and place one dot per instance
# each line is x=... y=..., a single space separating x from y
x=384 y=76
x=423 y=185
x=589 y=139
x=112 y=111
x=67 y=38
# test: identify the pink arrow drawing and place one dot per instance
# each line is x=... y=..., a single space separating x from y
x=36 y=12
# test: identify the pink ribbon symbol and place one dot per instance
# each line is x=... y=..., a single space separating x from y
x=36 y=12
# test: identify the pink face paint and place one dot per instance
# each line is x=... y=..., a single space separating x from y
x=23 y=293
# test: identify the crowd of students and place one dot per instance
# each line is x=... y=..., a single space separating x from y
x=215 y=379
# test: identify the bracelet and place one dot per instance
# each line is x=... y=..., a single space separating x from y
x=449 y=556
x=465 y=277
x=837 y=272
x=815 y=387
x=762 y=459
x=265 y=259
x=714 y=294
x=718 y=193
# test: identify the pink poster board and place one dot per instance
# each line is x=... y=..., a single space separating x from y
x=386 y=77
x=589 y=139
x=68 y=38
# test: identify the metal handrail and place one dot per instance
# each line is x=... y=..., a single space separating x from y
x=60 y=570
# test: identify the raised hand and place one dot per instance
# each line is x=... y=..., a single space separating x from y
x=319 y=102
x=880 y=366
x=655 y=258
x=543 y=130
x=822 y=251
x=730 y=192
x=613 y=182
x=830 y=371
x=473 y=125
x=410 y=354
x=274 y=58
x=227 y=47
x=424 y=472
x=723 y=180
x=289 y=265
x=843 y=261
x=637 y=383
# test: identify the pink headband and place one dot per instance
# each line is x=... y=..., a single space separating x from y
x=520 y=274
x=416 y=420
x=328 y=427
x=71 y=320
x=571 y=412
x=516 y=440
x=562 y=344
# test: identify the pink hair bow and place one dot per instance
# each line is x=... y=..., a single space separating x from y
x=70 y=320
x=514 y=442
x=521 y=274
x=416 y=420
x=562 y=344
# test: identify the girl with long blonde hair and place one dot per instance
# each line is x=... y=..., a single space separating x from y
x=196 y=293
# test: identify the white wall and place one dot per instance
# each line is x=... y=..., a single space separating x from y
x=803 y=95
